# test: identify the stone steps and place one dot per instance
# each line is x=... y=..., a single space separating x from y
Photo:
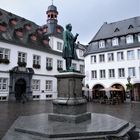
x=122 y=133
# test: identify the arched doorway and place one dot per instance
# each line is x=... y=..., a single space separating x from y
x=120 y=93
x=20 y=89
x=96 y=91
x=136 y=92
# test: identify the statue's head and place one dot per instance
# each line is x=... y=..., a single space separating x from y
x=69 y=27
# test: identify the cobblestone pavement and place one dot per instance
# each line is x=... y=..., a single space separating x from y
x=10 y=111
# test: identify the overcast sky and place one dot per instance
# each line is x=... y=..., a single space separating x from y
x=86 y=16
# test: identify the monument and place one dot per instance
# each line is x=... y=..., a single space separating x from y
x=70 y=106
x=70 y=119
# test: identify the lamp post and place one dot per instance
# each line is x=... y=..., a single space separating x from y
x=129 y=87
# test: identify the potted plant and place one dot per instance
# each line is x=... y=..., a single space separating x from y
x=22 y=64
x=36 y=66
x=59 y=69
x=6 y=61
x=49 y=67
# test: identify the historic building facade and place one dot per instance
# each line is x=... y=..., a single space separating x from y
x=113 y=55
x=30 y=56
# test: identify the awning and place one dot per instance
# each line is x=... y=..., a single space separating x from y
x=110 y=89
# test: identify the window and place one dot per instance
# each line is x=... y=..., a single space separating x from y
x=130 y=27
x=139 y=37
x=101 y=44
x=138 y=53
x=74 y=66
x=3 y=84
x=120 y=56
x=93 y=59
x=49 y=96
x=115 y=42
x=22 y=57
x=121 y=72
x=101 y=58
x=94 y=74
x=110 y=57
x=36 y=59
x=49 y=85
x=59 y=46
x=35 y=84
x=81 y=53
x=4 y=53
x=36 y=97
x=116 y=30
x=129 y=39
x=102 y=74
x=131 y=72
x=59 y=64
x=111 y=73
x=49 y=63
x=82 y=69
x=130 y=55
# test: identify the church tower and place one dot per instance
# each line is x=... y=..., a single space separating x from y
x=52 y=19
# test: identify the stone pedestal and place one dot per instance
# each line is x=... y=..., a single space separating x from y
x=70 y=119
x=70 y=106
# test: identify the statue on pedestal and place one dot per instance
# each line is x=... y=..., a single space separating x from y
x=69 y=51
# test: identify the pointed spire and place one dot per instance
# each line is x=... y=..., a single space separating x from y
x=52 y=2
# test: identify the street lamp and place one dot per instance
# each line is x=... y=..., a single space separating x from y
x=129 y=86
x=128 y=79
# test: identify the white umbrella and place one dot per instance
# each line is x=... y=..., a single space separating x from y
x=110 y=89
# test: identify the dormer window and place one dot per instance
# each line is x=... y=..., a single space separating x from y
x=33 y=37
x=45 y=29
x=19 y=32
x=2 y=27
x=139 y=37
x=102 y=44
x=129 y=39
x=115 y=41
x=1 y=14
x=45 y=42
x=13 y=21
x=116 y=30
x=39 y=31
x=130 y=27
x=28 y=26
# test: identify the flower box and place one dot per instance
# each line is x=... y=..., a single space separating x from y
x=59 y=69
x=4 y=61
x=49 y=68
x=22 y=64
x=36 y=66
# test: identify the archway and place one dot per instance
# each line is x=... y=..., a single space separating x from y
x=20 y=89
x=96 y=91
x=136 y=92
x=120 y=93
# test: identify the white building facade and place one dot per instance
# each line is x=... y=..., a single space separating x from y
x=31 y=56
x=113 y=55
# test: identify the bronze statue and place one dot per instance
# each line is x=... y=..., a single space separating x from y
x=69 y=51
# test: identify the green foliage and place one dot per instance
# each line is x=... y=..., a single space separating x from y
x=129 y=86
